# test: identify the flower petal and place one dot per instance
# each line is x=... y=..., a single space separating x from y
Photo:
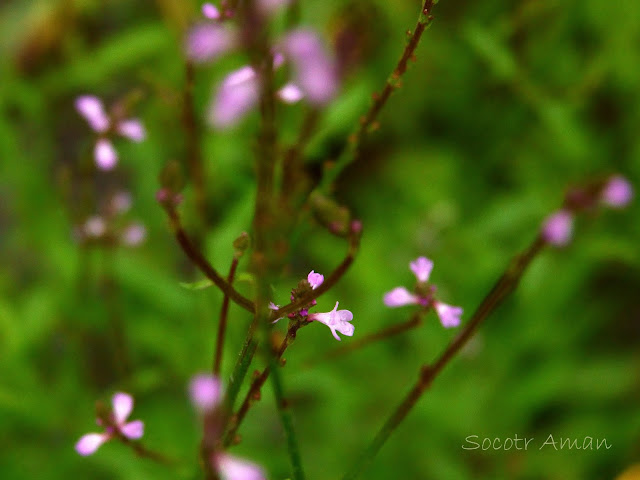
x=399 y=297
x=557 y=228
x=290 y=93
x=618 y=192
x=210 y=11
x=421 y=268
x=90 y=442
x=449 y=316
x=315 y=279
x=105 y=155
x=208 y=41
x=314 y=70
x=122 y=404
x=233 y=468
x=205 y=392
x=92 y=109
x=132 y=129
x=133 y=430
x=134 y=235
x=237 y=94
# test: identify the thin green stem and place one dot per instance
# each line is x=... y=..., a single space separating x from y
x=505 y=285
x=352 y=151
x=222 y=323
x=203 y=264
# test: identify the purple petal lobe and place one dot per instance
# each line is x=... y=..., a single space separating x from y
x=449 y=316
x=315 y=279
x=90 y=442
x=122 y=404
x=557 y=228
x=208 y=41
x=105 y=155
x=236 y=96
x=210 y=11
x=133 y=430
x=205 y=392
x=132 y=129
x=134 y=235
x=399 y=297
x=233 y=468
x=618 y=192
x=290 y=93
x=92 y=109
x=314 y=70
x=421 y=268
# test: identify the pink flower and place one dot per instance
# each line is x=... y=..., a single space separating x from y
x=618 y=192
x=93 y=111
x=238 y=94
x=122 y=405
x=336 y=320
x=210 y=11
x=315 y=279
x=449 y=316
x=423 y=295
x=314 y=70
x=209 y=41
x=557 y=228
x=233 y=468
x=133 y=235
x=205 y=392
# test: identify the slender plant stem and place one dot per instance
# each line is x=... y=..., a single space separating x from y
x=241 y=368
x=141 y=451
x=253 y=394
x=414 y=322
x=503 y=287
x=205 y=267
x=222 y=323
x=352 y=151
x=195 y=165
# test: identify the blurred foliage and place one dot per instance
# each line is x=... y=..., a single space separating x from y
x=506 y=104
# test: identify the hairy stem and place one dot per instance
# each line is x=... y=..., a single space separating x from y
x=503 y=287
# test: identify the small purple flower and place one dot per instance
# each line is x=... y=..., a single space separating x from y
x=205 y=392
x=557 y=228
x=336 y=320
x=314 y=70
x=423 y=295
x=449 y=316
x=290 y=93
x=134 y=235
x=233 y=468
x=93 y=111
x=209 y=41
x=618 y=192
x=94 y=227
x=315 y=279
x=122 y=405
x=238 y=94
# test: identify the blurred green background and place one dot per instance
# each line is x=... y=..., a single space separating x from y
x=506 y=104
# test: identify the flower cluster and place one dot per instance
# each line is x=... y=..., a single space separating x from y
x=106 y=127
x=338 y=321
x=314 y=72
x=616 y=192
x=206 y=395
x=115 y=425
x=108 y=225
x=423 y=295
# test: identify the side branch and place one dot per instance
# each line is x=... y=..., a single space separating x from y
x=503 y=287
x=352 y=150
x=205 y=267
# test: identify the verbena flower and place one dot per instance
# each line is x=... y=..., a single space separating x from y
x=424 y=295
x=336 y=320
x=122 y=405
x=617 y=192
x=315 y=279
x=233 y=468
x=104 y=153
x=557 y=228
x=205 y=392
